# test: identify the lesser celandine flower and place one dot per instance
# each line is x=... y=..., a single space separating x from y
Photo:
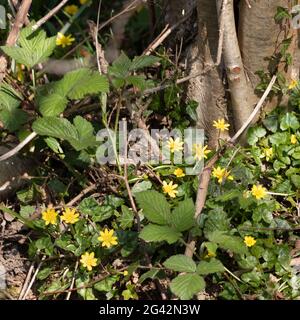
x=63 y=40
x=170 y=188
x=125 y=273
x=107 y=238
x=179 y=173
x=175 y=145
x=268 y=153
x=249 y=241
x=221 y=174
x=88 y=260
x=70 y=216
x=71 y=9
x=221 y=125
x=200 y=151
x=293 y=84
x=293 y=139
x=258 y=191
x=49 y=216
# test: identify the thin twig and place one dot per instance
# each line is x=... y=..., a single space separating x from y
x=27 y=279
x=49 y=15
x=81 y=194
x=72 y=282
x=19 y=147
x=33 y=278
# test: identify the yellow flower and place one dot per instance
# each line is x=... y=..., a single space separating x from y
x=63 y=40
x=125 y=273
x=210 y=254
x=200 y=152
x=83 y=1
x=221 y=174
x=221 y=125
x=170 y=188
x=88 y=260
x=70 y=216
x=107 y=238
x=268 y=153
x=49 y=216
x=175 y=145
x=71 y=10
x=293 y=139
x=258 y=191
x=179 y=173
x=293 y=84
x=249 y=241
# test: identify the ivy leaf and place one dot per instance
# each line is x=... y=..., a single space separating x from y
x=187 y=285
x=155 y=206
x=209 y=267
x=154 y=233
x=182 y=217
x=126 y=219
x=180 y=263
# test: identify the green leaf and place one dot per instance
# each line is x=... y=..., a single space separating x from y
x=44 y=273
x=152 y=274
x=296 y=180
x=209 y=267
x=11 y=117
x=182 y=217
x=187 y=285
x=52 y=105
x=180 y=263
x=98 y=212
x=79 y=83
x=232 y=243
x=155 y=206
x=271 y=123
x=120 y=67
x=34 y=47
x=143 y=62
x=255 y=133
x=154 y=233
x=141 y=186
x=106 y=284
x=289 y=120
x=126 y=219
x=280 y=138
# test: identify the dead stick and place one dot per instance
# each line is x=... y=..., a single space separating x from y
x=49 y=15
x=18 y=24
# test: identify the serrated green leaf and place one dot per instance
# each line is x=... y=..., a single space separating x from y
x=232 y=243
x=143 y=62
x=187 y=285
x=120 y=67
x=180 y=263
x=155 y=206
x=52 y=105
x=79 y=83
x=154 y=233
x=34 y=47
x=208 y=267
x=152 y=274
x=182 y=217
x=55 y=127
x=126 y=219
